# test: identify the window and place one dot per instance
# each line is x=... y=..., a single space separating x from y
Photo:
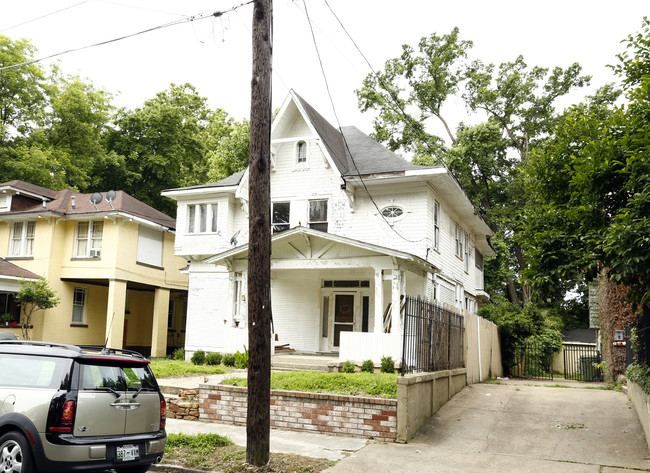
x=202 y=218
x=280 y=218
x=4 y=203
x=238 y=297
x=478 y=260
x=89 y=239
x=79 y=306
x=459 y=242
x=318 y=215
x=436 y=225
x=150 y=246
x=22 y=239
x=170 y=314
x=301 y=152
x=466 y=254
x=392 y=211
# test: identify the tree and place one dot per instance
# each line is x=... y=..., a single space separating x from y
x=227 y=149
x=590 y=188
x=162 y=144
x=34 y=295
x=517 y=102
x=22 y=88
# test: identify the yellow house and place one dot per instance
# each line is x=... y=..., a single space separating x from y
x=109 y=258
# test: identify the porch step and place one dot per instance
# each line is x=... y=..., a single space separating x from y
x=298 y=362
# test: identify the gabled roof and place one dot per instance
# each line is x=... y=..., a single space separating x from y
x=60 y=203
x=299 y=233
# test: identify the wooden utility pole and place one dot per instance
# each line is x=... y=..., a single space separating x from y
x=258 y=421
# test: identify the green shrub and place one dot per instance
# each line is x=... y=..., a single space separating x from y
x=639 y=374
x=387 y=364
x=368 y=366
x=349 y=367
x=213 y=358
x=166 y=368
x=179 y=354
x=229 y=359
x=241 y=359
x=198 y=357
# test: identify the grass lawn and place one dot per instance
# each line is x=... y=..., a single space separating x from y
x=351 y=384
x=167 y=368
x=215 y=452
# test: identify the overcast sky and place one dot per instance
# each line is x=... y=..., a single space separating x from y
x=215 y=54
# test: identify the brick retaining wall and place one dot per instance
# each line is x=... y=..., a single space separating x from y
x=325 y=413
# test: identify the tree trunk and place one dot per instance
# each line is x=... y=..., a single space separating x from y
x=259 y=247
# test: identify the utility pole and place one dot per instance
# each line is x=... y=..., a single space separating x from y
x=258 y=420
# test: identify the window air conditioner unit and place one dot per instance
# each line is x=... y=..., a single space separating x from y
x=95 y=253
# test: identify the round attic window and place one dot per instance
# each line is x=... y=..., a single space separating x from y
x=392 y=211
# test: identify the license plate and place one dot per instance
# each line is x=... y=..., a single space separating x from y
x=128 y=453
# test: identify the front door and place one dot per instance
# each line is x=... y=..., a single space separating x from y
x=343 y=316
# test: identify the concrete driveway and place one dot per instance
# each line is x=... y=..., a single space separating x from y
x=518 y=427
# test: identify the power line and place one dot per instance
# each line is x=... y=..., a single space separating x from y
x=44 y=16
x=407 y=118
x=365 y=188
x=200 y=16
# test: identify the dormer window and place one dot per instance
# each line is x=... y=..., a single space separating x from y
x=301 y=152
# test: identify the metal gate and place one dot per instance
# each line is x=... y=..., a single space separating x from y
x=530 y=360
x=580 y=363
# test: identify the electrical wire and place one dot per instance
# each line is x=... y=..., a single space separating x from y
x=200 y=16
x=329 y=94
x=43 y=16
x=407 y=118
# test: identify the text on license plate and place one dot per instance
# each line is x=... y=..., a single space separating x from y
x=127 y=453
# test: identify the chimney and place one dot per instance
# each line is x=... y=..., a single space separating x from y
x=72 y=201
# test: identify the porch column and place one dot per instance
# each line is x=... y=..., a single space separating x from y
x=159 y=327
x=396 y=291
x=115 y=313
x=379 y=301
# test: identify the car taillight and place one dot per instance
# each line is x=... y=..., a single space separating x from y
x=163 y=414
x=65 y=421
x=68 y=413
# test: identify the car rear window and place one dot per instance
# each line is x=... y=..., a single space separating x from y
x=33 y=371
x=119 y=378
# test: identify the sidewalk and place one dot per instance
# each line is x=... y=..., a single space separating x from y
x=282 y=441
x=308 y=444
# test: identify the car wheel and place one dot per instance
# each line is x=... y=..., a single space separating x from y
x=15 y=454
x=133 y=469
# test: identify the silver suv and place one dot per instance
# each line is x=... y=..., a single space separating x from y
x=66 y=408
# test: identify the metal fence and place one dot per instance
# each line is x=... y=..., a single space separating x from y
x=580 y=363
x=433 y=337
x=529 y=360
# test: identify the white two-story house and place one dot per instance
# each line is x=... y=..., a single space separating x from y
x=355 y=227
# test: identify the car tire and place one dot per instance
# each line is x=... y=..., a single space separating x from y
x=133 y=469
x=15 y=454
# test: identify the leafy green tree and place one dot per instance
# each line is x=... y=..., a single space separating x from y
x=590 y=188
x=34 y=295
x=517 y=102
x=162 y=144
x=23 y=89
x=228 y=150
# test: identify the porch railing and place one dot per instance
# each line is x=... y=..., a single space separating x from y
x=433 y=337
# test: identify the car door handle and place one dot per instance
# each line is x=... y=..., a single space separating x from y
x=125 y=405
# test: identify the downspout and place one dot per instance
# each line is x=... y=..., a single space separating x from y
x=480 y=367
